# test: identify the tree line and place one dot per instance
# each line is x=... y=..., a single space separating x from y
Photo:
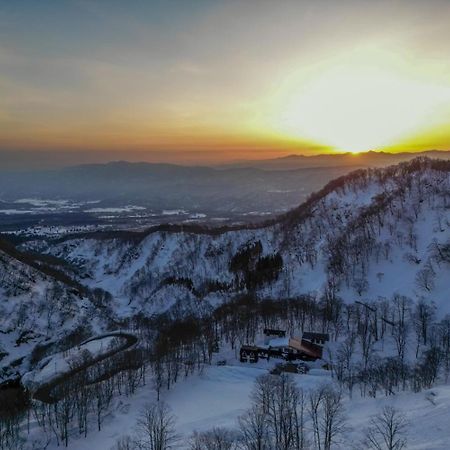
x=171 y=349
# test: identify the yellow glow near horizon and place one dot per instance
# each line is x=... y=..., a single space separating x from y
x=361 y=103
x=228 y=80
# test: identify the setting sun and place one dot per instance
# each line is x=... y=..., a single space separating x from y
x=224 y=225
x=361 y=103
x=225 y=80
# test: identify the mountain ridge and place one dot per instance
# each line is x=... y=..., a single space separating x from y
x=371 y=157
x=345 y=241
x=287 y=216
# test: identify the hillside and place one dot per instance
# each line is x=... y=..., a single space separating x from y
x=41 y=309
x=135 y=195
x=88 y=320
x=368 y=234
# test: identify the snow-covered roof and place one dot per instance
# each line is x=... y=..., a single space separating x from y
x=279 y=342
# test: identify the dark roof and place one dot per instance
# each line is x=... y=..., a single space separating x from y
x=251 y=348
x=312 y=349
x=309 y=336
x=274 y=331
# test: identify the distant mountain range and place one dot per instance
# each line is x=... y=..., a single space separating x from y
x=364 y=159
x=27 y=160
x=240 y=192
x=166 y=186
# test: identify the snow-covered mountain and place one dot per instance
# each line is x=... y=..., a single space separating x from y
x=369 y=234
x=41 y=309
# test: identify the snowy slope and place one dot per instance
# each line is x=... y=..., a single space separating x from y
x=220 y=395
x=370 y=234
x=366 y=235
x=36 y=309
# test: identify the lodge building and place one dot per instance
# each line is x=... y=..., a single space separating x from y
x=308 y=348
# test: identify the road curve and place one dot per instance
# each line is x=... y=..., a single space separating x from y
x=44 y=392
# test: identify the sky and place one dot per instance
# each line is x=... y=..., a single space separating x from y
x=224 y=80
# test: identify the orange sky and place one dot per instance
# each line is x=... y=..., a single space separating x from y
x=234 y=80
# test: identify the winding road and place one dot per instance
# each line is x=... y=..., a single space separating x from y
x=44 y=392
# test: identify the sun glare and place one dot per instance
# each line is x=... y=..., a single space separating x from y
x=359 y=106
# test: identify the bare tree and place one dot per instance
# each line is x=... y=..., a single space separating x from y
x=103 y=394
x=10 y=437
x=158 y=369
x=423 y=316
x=427 y=370
x=425 y=278
x=253 y=427
x=333 y=420
x=444 y=340
x=386 y=430
x=156 y=428
x=343 y=367
x=64 y=410
x=277 y=418
x=215 y=439
x=401 y=305
x=282 y=401
x=315 y=399
x=327 y=416
x=124 y=443
x=365 y=331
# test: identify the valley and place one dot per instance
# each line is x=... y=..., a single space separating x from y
x=224 y=225
x=97 y=324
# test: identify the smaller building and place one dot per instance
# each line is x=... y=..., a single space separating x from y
x=274 y=332
x=290 y=367
x=293 y=348
x=270 y=333
x=316 y=338
x=249 y=353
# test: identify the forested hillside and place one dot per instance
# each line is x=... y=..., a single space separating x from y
x=371 y=233
x=90 y=317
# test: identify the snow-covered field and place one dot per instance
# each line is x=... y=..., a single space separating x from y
x=124 y=209
x=221 y=394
